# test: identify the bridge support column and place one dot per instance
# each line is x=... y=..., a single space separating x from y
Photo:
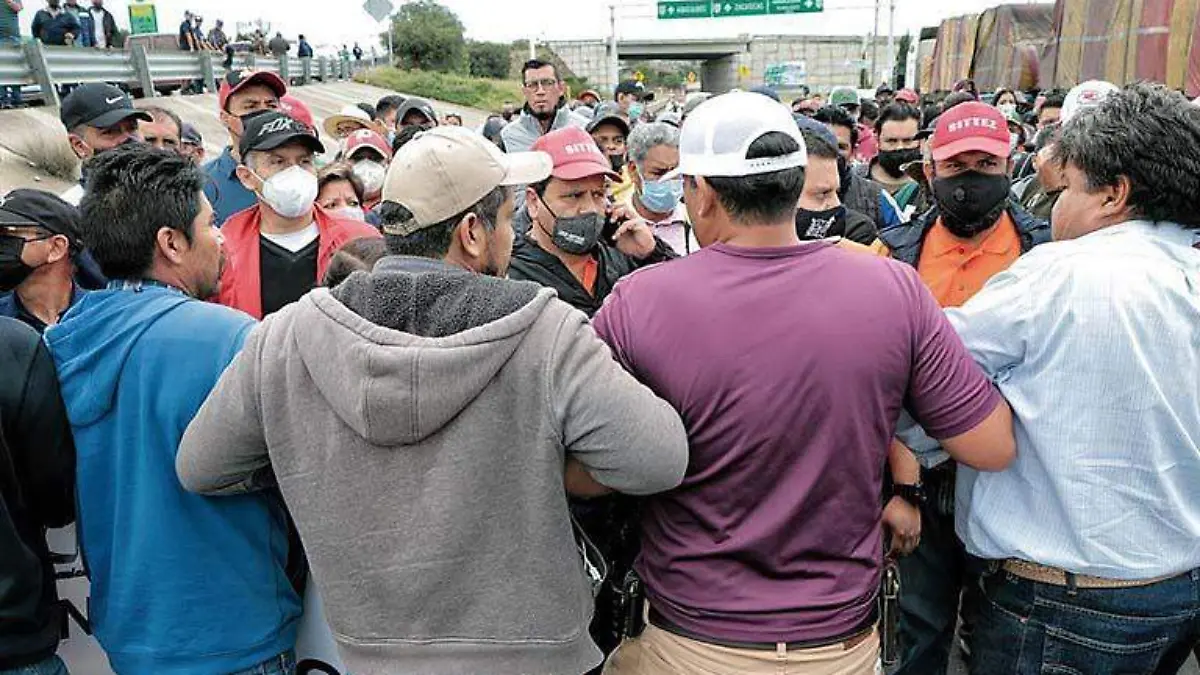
x=719 y=75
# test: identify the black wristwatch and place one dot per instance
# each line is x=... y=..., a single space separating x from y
x=913 y=494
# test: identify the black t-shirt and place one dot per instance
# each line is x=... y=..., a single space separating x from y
x=286 y=276
x=185 y=29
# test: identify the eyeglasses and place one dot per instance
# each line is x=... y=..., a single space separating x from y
x=547 y=83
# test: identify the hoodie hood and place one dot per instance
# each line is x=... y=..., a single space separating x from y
x=400 y=352
x=92 y=343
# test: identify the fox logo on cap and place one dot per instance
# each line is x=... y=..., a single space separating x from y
x=276 y=125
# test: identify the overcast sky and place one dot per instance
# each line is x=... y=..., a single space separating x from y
x=330 y=22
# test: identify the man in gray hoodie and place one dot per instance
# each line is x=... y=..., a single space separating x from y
x=425 y=423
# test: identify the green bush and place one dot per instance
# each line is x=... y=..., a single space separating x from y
x=488 y=59
x=472 y=92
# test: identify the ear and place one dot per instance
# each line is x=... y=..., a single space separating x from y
x=172 y=245
x=1116 y=197
x=532 y=204
x=927 y=167
x=631 y=169
x=231 y=123
x=248 y=179
x=472 y=237
x=60 y=248
x=79 y=146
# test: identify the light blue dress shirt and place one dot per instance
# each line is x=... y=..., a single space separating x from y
x=1096 y=345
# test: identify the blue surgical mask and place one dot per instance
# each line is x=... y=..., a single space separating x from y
x=662 y=196
x=636 y=110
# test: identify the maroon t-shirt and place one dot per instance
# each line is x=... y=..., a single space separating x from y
x=789 y=367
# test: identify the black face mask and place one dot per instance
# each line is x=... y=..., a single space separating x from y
x=617 y=161
x=892 y=160
x=820 y=224
x=13 y=270
x=843 y=176
x=971 y=202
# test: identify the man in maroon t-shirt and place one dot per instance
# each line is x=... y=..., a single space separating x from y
x=789 y=363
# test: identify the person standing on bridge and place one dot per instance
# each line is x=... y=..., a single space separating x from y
x=179 y=583
x=545 y=108
x=242 y=93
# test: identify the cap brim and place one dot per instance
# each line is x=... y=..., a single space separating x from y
x=360 y=149
x=991 y=146
x=114 y=117
x=312 y=142
x=581 y=170
x=609 y=119
x=523 y=168
x=15 y=219
x=332 y=122
x=269 y=79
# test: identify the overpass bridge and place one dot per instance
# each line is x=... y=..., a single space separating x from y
x=726 y=63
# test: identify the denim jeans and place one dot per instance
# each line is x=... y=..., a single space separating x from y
x=281 y=664
x=51 y=666
x=1030 y=628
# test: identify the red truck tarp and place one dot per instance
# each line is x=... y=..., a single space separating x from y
x=1009 y=46
x=954 y=52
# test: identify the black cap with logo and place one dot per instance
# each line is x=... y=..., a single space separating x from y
x=37 y=208
x=419 y=105
x=636 y=88
x=100 y=106
x=270 y=129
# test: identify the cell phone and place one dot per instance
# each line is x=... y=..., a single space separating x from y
x=633 y=594
x=609 y=230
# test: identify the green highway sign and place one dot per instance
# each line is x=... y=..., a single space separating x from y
x=709 y=9
x=685 y=9
x=796 y=6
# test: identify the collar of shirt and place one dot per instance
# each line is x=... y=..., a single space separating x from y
x=939 y=242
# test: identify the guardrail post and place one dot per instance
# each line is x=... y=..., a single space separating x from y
x=306 y=70
x=250 y=60
x=323 y=69
x=208 y=73
x=285 y=69
x=36 y=58
x=141 y=66
x=344 y=73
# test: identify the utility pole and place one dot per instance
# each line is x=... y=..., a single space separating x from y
x=614 y=61
x=891 y=43
x=874 y=49
x=532 y=47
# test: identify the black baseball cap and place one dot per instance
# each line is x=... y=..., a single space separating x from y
x=270 y=129
x=190 y=135
x=634 y=87
x=416 y=104
x=609 y=113
x=100 y=106
x=37 y=208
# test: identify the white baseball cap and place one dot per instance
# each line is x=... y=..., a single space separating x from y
x=717 y=134
x=447 y=170
x=1084 y=97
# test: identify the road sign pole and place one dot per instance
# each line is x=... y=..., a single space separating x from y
x=874 y=51
x=891 y=43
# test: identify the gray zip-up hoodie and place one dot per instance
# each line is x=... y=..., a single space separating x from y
x=417 y=420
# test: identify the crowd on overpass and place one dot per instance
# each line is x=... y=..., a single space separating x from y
x=735 y=386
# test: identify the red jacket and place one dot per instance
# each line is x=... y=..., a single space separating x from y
x=241 y=282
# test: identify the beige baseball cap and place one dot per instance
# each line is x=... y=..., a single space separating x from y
x=446 y=170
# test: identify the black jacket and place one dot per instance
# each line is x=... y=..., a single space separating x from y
x=37 y=491
x=531 y=263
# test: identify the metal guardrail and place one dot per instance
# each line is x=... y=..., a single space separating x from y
x=45 y=69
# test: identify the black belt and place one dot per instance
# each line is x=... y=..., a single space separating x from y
x=852 y=638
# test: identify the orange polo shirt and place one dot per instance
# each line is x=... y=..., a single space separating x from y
x=955 y=271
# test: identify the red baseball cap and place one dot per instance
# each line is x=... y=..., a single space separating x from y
x=908 y=96
x=970 y=127
x=297 y=110
x=365 y=138
x=575 y=154
x=236 y=80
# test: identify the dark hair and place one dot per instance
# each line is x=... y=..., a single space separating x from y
x=388 y=104
x=434 y=241
x=1045 y=137
x=117 y=219
x=896 y=112
x=367 y=108
x=958 y=98
x=765 y=197
x=837 y=116
x=929 y=114
x=338 y=172
x=355 y=255
x=536 y=64
x=1001 y=92
x=1151 y=136
x=156 y=111
x=868 y=111
x=408 y=133
x=818 y=146
x=1054 y=99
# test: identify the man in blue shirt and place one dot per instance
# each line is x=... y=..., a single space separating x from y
x=1094 y=340
x=39 y=242
x=180 y=584
x=242 y=93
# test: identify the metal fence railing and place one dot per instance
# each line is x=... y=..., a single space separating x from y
x=42 y=70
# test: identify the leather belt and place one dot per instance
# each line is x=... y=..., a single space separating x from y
x=1058 y=577
x=659 y=621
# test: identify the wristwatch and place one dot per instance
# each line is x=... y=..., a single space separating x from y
x=913 y=494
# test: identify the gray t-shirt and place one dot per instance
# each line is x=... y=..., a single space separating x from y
x=10 y=30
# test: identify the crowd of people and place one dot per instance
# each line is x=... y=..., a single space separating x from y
x=590 y=389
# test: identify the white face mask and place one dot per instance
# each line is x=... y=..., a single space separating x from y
x=291 y=192
x=1014 y=140
x=1007 y=108
x=350 y=213
x=372 y=175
